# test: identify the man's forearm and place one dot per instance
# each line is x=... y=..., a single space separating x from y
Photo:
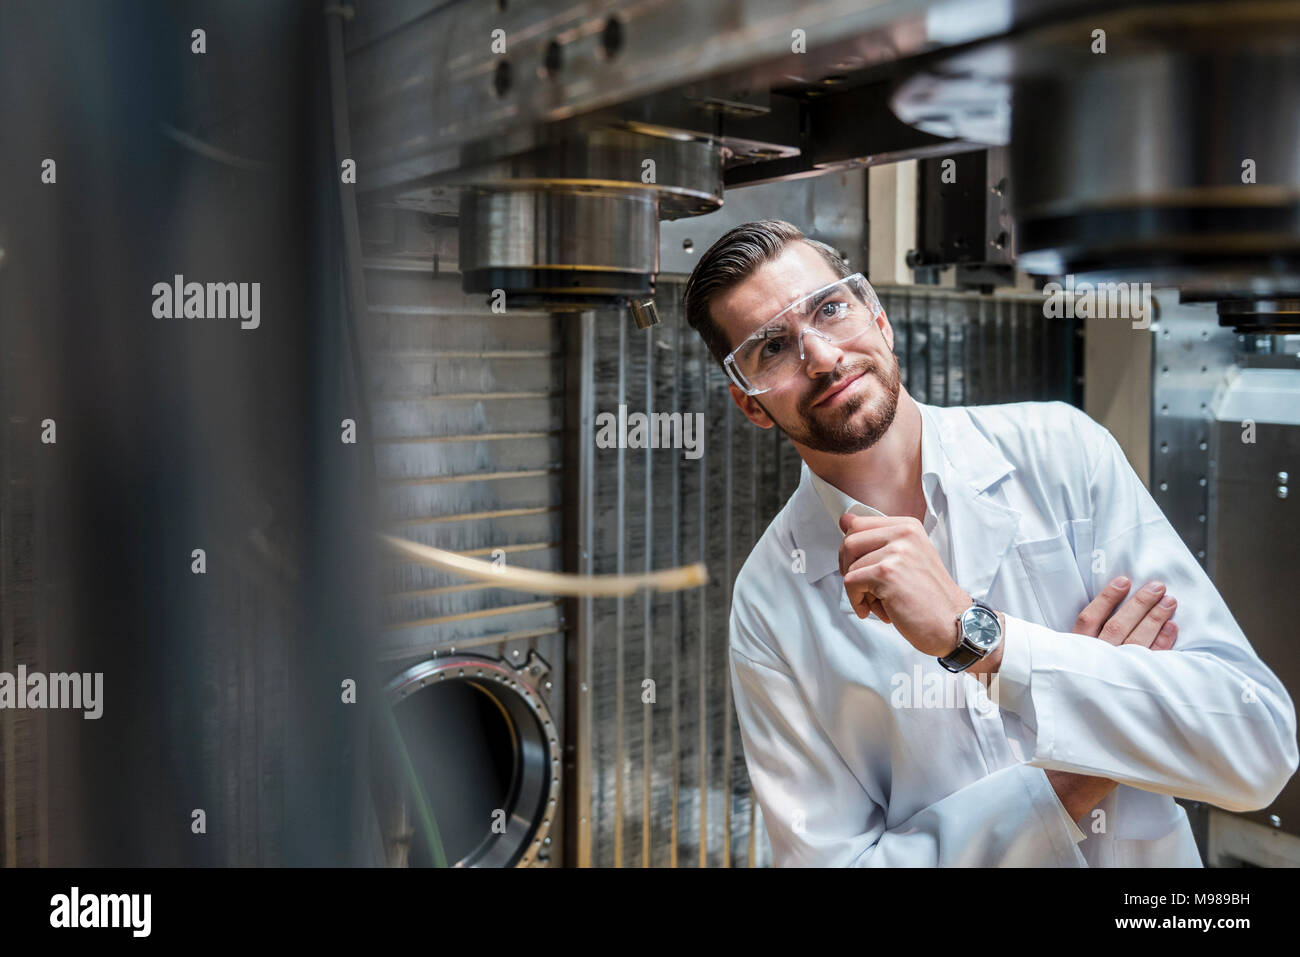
x=1078 y=793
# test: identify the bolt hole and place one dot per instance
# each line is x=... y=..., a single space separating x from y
x=501 y=78
x=554 y=58
x=611 y=38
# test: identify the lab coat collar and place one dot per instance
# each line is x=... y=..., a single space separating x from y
x=964 y=462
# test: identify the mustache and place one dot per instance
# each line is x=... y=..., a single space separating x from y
x=866 y=368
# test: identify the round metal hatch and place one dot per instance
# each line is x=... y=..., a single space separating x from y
x=484 y=747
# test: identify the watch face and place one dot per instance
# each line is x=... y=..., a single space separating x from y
x=980 y=626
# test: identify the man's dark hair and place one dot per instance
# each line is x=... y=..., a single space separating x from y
x=731 y=260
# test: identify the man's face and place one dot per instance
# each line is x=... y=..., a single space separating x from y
x=843 y=397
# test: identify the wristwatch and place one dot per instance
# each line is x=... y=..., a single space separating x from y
x=979 y=631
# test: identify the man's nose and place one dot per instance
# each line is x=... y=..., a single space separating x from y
x=820 y=356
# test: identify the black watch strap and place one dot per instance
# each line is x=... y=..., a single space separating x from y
x=961 y=659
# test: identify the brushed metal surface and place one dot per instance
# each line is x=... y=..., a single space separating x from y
x=1252 y=531
x=1190 y=354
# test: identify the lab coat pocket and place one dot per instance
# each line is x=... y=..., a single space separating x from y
x=1056 y=577
x=1081 y=542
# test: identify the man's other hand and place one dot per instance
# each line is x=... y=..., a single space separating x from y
x=1146 y=619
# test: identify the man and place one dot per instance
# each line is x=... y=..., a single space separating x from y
x=927 y=548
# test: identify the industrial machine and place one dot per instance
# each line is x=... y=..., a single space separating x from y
x=532 y=152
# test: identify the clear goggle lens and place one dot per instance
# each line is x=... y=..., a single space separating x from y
x=837 y=313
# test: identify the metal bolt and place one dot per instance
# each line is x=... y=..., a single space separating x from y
x=1282 y=478
x=1274 y=820
x=1281 y=491
x=644 y=313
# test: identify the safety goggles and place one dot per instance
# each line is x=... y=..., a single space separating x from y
x=838 y=313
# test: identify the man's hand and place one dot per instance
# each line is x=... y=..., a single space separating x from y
x=1147 y=620
x=890 y=567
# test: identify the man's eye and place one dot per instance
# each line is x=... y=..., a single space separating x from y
x=832 y=310
x=771 y=347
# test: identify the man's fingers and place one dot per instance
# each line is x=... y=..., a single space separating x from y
x=1123 y=622
x=1097 y=611
x=865 y=603
x=850 y=523
x=1148 y=629
x=857 y=545
x=1168 y=635
x=860 y=542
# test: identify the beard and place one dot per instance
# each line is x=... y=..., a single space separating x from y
x=834 y=430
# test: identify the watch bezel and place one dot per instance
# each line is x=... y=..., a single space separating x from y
x=970 y=634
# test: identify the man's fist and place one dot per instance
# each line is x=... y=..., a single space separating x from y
x=890 y=567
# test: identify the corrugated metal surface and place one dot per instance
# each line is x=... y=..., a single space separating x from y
x=24 y=617
x=468 y=413
x=957 y=348
x=665 y=783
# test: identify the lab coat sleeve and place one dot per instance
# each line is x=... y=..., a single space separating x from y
x=1205 y=720
x=818 y=814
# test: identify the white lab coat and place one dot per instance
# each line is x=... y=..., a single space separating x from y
x=1040 y=509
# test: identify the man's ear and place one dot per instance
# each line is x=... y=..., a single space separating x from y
x=753 y=411
x=886 y=330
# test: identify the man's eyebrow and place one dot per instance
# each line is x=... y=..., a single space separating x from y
x=816 y=300
x=806 y=302
x=770 y=327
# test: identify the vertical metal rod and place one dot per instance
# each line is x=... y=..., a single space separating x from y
x=732 y=412
x=647 y=750
x=1014 y=371
x=621 y=534
x=1001 y=340
x=755 y=517
x=947 y=347
x=702 y=725
x=929 y=353
x=579 y=349
x=677 y=599
x=588 y=627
